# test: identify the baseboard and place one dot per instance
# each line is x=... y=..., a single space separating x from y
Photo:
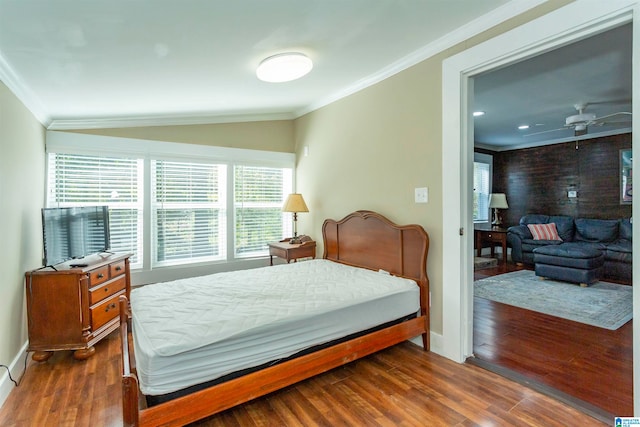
x=435 y=342
x=17 y=368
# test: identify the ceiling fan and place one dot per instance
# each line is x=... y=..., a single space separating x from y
x=580 y=122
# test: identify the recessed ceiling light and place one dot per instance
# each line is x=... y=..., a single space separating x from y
x=284 y=67
x=523 y=127
x=478 y=113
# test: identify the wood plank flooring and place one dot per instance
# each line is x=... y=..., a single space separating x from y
x=401 y=386
x=594 y=365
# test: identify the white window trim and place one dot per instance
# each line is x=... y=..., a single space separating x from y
x=79 y=143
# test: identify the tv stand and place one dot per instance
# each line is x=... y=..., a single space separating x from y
x=72 y=307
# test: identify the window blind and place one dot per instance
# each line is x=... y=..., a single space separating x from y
x=189 y=211
x=481 y=191
x=259 y=193
x=177 y=201
x=85 y=180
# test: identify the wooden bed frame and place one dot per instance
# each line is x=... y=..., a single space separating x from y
x=362 y=239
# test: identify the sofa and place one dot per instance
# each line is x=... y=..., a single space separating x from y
x=601 y=246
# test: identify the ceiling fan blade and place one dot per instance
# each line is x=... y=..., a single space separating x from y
x=611 y=101
x=545 y=131
x=625 y=122
x=621 y=113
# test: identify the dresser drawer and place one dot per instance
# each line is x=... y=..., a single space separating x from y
x=105 y=311
x=117 y=268
x=97 y=294
x=99 y=275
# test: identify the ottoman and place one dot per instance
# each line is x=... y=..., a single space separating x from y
x=569 y=262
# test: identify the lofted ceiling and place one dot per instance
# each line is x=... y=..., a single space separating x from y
x=542 y=92
x=82 y=64
x=132 y=62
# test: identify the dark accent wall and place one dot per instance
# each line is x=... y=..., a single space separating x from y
x=537 y=180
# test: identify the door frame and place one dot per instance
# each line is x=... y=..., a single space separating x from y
x=566 y=25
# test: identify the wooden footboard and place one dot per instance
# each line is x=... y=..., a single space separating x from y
x=198 y=405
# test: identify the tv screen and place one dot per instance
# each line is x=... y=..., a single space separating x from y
x=71 y=233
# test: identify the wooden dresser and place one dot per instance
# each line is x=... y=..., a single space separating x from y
x=72 y=308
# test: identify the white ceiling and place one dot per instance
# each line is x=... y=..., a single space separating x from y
x=80 y=64
x=541 y=92
x=135 y=62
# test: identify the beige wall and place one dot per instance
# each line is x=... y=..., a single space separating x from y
x=22 y=165
x=372 y=149
x=274 y=135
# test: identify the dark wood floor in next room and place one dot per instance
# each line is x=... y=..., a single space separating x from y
x=587 y=363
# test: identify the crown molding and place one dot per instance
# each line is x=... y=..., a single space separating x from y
x=499 y=148
x=24 y=94
x=473 y=28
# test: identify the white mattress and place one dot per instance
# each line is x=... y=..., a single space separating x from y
x=194 y=330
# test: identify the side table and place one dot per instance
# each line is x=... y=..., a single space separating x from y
x=285 y=250
x=491 y=236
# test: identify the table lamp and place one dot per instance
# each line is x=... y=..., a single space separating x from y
x=497 y=201
x=295 y=203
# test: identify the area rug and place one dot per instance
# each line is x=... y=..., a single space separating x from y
x=605 y=305
x=481 y=262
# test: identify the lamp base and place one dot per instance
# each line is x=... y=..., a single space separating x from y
x=497 y=221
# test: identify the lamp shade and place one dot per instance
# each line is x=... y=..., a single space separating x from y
x=295 y=203
x=498 y=201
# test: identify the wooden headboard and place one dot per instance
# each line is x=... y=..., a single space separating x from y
x=369 y=240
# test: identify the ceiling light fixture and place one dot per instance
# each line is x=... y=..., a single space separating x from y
x=284 y=67
x=523 y=127
x=478 y=113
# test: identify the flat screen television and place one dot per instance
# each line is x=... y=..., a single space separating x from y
x=73 y=233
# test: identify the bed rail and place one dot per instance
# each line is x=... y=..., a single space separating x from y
x=130 y=387
x=198 y=405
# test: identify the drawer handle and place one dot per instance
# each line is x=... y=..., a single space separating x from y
x=118 y=268
x=106 y=289
x=100 y=276
x=110 y=307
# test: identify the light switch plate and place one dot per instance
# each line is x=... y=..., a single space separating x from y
x=422 y=195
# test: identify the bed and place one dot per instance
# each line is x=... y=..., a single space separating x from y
x=186 y=355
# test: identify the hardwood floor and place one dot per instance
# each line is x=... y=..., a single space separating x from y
x=401 y=386
x=594 y=365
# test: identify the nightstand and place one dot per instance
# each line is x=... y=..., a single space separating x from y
x=491 y=236
x=285 y=250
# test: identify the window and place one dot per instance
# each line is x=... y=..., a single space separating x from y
x=174 y=204
x=189 y=211
x=83 y=180
x=481 y=187
x=259 y=193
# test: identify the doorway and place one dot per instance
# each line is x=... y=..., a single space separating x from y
x=563 y=26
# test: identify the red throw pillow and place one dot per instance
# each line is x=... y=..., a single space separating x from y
x=544 y=231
